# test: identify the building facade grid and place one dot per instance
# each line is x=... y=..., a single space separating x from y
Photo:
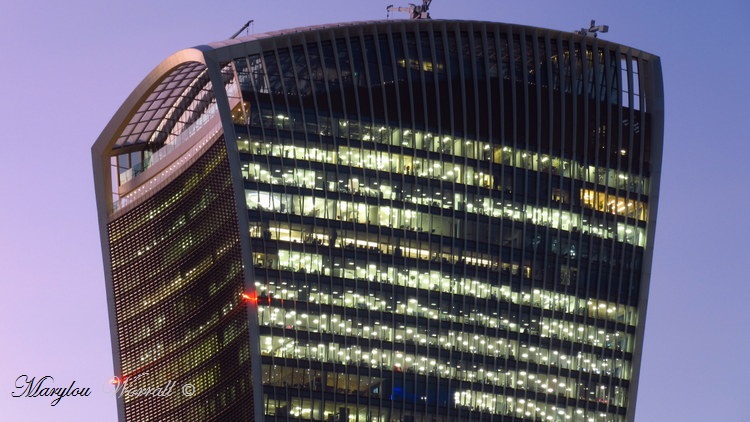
x=444 y=220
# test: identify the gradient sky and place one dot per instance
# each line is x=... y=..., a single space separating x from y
x=66 y=66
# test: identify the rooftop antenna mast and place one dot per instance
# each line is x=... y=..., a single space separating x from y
x=414 y=11
x=593 y=29
x=241 y=29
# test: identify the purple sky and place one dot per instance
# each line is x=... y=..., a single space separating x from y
x=66 y=66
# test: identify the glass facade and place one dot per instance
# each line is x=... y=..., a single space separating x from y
x=445 y=220
x=177 y=278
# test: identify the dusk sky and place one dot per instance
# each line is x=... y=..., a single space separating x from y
x=68 y=65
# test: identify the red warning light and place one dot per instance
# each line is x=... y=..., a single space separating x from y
x=250 y=297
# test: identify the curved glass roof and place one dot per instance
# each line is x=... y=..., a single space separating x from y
x=174 y=103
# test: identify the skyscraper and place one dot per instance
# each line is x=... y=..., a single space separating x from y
x=384 y=221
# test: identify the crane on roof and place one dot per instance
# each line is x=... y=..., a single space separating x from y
x=414 y=11
x=593 y=29
x=241 y=29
